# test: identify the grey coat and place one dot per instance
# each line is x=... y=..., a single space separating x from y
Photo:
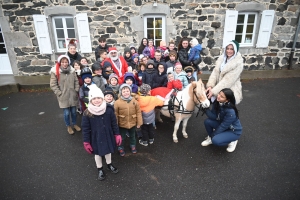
x=66 y=89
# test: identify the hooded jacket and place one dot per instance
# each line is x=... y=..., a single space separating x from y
x=195 y=52
x=134 y=87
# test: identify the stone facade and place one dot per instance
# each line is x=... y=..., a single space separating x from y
x=114 y=19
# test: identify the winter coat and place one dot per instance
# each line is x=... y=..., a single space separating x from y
x=100 y=131
x=148 y=77
x=128 y=113
x=160 y=80
x=99 y=81
x=227 y=119
x=97 y=50
x=84 y=93
x=195 y=52
x=74 y=57
x=147 y=105
x=228 y=78
x=170 y=65
x=147 y=52
x=119 y=72
x=184 y=59
x=182 y=77
x=159 y=62
x=66 y=89
x=191 y=79
x=134 y=65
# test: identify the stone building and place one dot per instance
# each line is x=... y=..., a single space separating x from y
x=35 y=32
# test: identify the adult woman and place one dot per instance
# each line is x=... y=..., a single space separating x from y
x=144 y=43
x=64 y=83
x=183 y=50
x=149 y=50
x=223 y=125
x=227 y=72
x=72 y=53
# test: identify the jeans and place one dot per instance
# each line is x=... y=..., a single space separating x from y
x=221 y=139
x=131 y=132
x=195 y=75
x=67 y=112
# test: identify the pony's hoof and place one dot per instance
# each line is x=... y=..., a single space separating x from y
x=175 y=140
x=185 y=136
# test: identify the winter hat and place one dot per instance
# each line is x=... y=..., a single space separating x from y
x=126 y=50
x=129 y=76
x=106 y=64
x=145 y=88
x=124 y=85
x=113 y=75
x=63 y=56
x=109 y=90
x=132 y=47
x=236 y=45
x=189 y=69
x=95 y=92
x=150 y=62
x=72 y=42
x=141 y=56
x=86 y=72
x=96 y=66
x=177 y=64
x=135 y=56
x=174 y=53
x=194 y=42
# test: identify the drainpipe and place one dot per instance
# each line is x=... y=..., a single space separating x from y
x=294 y=44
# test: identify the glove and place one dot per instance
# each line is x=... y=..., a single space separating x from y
x=88 y=147
x=118 y=140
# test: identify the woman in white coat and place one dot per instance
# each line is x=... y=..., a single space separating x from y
x=227 y=73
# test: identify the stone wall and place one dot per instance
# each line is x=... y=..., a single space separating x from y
x=111 y=19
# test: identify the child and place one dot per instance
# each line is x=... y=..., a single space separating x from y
x=147 y=105
x=189 y=70
x=98 y=79
x=132 y=50
x=149 y=73
x=141 y=70
x=129 y=79
x=107 y=70
x=129 y=117
x=127 y=56
x=109 y=95
x=135 y=61
x=163 y=49
x=102 y=46
x=100 y=141
x=223 y=125
x=102 y=55
x=86 y=76
x=194 y=52
x=84 y=61
x=64 y=84
x=149 y=50
x=180 y=74
x=78 y=67
x=113 y=82
x=173 y=60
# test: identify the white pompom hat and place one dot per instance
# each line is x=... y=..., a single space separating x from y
x=95 y=92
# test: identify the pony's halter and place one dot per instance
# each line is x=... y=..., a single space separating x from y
x=198 y=104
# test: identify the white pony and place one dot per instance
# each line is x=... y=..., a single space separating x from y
x=185 y=103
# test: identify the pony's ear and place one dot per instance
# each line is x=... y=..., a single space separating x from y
x=194 y=84
x=200 y=80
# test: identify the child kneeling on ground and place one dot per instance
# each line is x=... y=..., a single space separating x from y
x=129 y=117
x=100 y=130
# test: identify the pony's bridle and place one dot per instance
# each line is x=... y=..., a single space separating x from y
x=198 y=104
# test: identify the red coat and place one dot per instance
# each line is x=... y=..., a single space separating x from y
x=163 y=91
x=123 y=68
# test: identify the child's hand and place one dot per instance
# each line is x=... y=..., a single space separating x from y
x=88 y=147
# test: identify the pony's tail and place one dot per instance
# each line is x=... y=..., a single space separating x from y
x=57 y=70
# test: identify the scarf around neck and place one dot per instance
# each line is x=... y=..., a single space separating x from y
x=65 y=70
x=126 y=99
x=73 y=56
x=97 y=110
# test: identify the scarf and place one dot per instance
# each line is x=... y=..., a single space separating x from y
x=73 y=56
x=115 y=87
x=126 y=99
x=65 y=70
x=150 y=70
x=97 y=110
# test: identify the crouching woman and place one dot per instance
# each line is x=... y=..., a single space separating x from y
x=223 y=125
x=100 y=130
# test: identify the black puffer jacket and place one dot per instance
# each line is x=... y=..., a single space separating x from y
x=148 y=76
x=160 y=80
x=183 y=59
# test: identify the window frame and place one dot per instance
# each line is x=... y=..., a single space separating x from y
x=245 y=24
x=65 y=29
x=163 y=27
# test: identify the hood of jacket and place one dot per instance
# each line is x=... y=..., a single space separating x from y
x=131 y=76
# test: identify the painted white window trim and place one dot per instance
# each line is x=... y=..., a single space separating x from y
x=245 y=26
x=265 y=29
x=163 y=25
x=83 y=31
x=42 y=33
x=230 y=26
x=65 y=32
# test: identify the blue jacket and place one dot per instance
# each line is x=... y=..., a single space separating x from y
x=99 y=131
x=182 y=77
x=227 y=119
x=195 y=52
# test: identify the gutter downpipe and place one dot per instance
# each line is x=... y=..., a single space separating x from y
x=294 y=43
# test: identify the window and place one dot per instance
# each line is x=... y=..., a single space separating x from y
x=245 y=28
x=154 y=28
x=2 y=44
x=63 y=29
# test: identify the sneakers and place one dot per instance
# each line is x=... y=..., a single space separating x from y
x=121 y=151
x=151 y=141
x=77 y=128
x=144 y=143
x=70 y=130
x=206 y=142
x=232 y=146
x=101 y=174
x=112 y=168
x=133 y=149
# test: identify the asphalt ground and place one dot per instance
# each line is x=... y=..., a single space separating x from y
x=40 y=160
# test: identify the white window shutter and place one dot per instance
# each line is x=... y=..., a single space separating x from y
x=265 y=28
x=84 y=33
x=230 y=26
x=42 y=34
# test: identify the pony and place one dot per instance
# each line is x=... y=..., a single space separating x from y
x=184 y=105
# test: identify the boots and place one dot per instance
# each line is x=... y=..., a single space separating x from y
x=101 y=174
x=77 y=128
x=70 y=130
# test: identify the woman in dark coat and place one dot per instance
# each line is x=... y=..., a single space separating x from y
x=72 y=53
x=160 y=78
x=100 y=130
x=183 y=56
x=149 y=73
